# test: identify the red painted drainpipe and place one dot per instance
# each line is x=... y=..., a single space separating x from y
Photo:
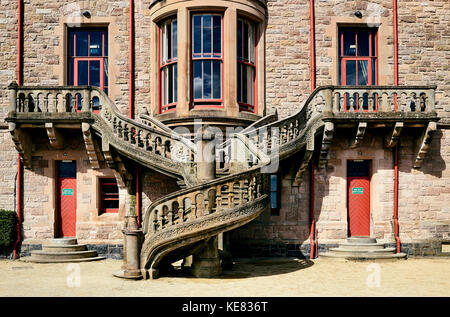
x=396 y=181
x=19 y=162
x=131 y=64
x=131 y=104
x=313 y=230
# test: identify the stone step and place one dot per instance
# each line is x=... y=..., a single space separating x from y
x=344 y=251
x=42 y=254
x=365 y=256
x=64 y=248
x=362 y=246
x=63 y=241
x=45 y=260
x=357 y=239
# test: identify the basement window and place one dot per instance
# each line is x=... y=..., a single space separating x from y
x=109 y=195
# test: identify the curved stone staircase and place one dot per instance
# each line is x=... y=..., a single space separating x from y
x=61 y=251
x=178 y=224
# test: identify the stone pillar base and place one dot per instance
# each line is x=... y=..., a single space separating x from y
x=206 y=263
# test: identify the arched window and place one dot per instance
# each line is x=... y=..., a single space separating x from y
x=168 y=65
x=207 y=59
x=246 y=65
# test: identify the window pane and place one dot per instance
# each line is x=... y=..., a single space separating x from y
x=94 y=71
x=95 y=45
x=81 y=43
x=217 y=34
x=105 y=69
x=252 y=43
x=239 y=40
x=175 y=83
x=71 y=70
x=273 y=182
x=244 y=86
x=349 y=43
x=197 y=79
x=217 y=79
x=363 y=43
x=174 y=39
x=71 y=43
x=239 y=82
x=83 y=73
x=197 y=34
x=207 y=80
x=374 y=71
x=245 y=35
x=363 y=73
x=206 y=34
x=250 y=74
x=273 y=200
x=350 y=72
x=170 y=85
x=374 y=44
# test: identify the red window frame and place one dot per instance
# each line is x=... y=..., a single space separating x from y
x=371 y=59
x=107 y=196
x=75 y=59
x=163 y=108
x=200 y=102
x=245 y=106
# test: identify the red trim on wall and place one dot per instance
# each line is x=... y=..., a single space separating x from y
x=131 y=63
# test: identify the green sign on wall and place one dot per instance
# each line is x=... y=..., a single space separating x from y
x=357 y=190
x=67 y=192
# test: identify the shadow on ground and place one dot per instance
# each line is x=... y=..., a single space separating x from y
x=254 y=267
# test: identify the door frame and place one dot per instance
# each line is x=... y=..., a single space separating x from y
x=369 y=177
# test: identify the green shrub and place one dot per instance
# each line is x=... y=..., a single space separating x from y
x=8 y=228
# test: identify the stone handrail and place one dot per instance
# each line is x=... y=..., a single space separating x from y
x=382 y=99
x=171 y=149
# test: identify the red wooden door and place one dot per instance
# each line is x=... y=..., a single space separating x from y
x=359 y=206
x=67 y=199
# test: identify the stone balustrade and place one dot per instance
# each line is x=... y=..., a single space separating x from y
x=190 y=204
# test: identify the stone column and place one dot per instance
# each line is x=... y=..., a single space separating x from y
x=132 y=241
x=206 y=263
x=206 y=154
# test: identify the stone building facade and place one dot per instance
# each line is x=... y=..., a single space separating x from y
x=283 y=76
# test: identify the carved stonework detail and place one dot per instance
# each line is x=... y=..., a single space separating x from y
x=23 y=144
x=424 y=144
x=360 y=131
x=90 y=145
x=394 y=136
x=327 y=139
x=55 y=136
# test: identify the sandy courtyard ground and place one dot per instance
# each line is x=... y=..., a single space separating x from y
x=249 y=278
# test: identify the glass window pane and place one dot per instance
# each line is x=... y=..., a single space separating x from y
x=217 y=77
x=197 y=34
x=252 y=43
x=94 y=73
x=174 y=39
x=83 y=73
x=170 y=85
x=207 y=80
x=239 y=82
x=175 y=83
x=81 y=43
x=350 y=74
x=95 y=45
x=349 y=43
x=245 y=45
x=71 y=72
x=273 y=200
x=244 y=84
x=197 y=79
x=217 y=34
x=250 y=74
x=207 y=35
x=363 y=73
x=363 y=43
x=71 y=43
x=239 y=40
x=273 y=182
x=374 y=71
x=105 y=43
x=105 y=70
x=374 y=44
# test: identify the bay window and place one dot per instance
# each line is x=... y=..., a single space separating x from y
x=207 y=59
x=246 y=65
x=168 y=65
